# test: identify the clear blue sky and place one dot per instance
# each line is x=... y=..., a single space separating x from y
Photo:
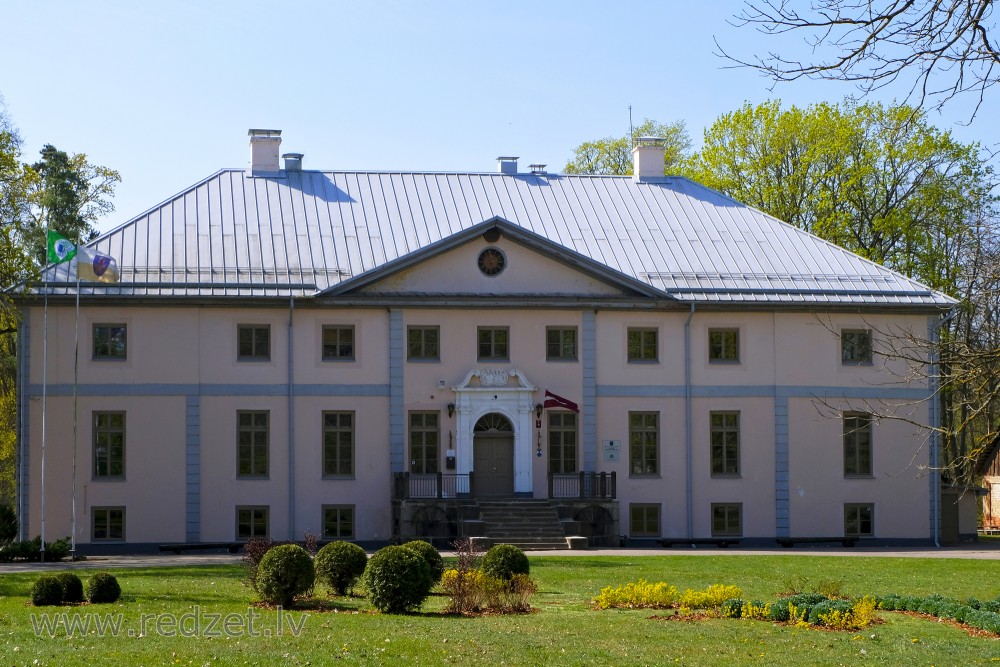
x=165 y=92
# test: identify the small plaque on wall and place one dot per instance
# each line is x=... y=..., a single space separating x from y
x=612 y=450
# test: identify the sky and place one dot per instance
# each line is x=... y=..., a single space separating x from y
x=165 y=92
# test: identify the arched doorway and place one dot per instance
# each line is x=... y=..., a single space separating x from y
x=493 y=455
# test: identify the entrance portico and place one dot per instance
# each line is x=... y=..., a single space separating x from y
x=490 y=393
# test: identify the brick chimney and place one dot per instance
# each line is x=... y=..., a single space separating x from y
x=647 y=158
x=264 y=149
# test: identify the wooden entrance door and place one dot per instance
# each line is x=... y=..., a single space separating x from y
x=493 y=463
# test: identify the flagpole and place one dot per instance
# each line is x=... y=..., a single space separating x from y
x=45 y=392
x=76 y=371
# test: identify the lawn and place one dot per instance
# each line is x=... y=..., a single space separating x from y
x=565 y=630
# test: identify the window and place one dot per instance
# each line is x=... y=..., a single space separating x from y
x=338 y=522
x=338 y=343
x=857 y=444
x=856 y=347
x=109 y=445
x=562 y=442
x=423 y=343
x=724 y=345
x=252 y=447
x=560 y=343
x=644 y=520
x=641 y=345
x=251 y=522
x=424 y=439
x=643 y=440
x=338 y=444
x=254 y=342
x=493 y=343
x=109 y=341
x=107 y=523
x=725 y=435
x=858 y=520
x=727 y=519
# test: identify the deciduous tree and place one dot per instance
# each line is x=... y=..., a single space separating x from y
x=943 y=48
x=612 y=156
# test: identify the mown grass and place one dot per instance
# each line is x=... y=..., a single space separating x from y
x=564 y=630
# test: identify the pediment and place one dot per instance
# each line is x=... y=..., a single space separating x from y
x=496 y=259
x=492 y=379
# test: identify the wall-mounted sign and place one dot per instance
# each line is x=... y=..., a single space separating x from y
x=612 y=450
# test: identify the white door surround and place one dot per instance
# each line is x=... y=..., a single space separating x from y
x=508 y=392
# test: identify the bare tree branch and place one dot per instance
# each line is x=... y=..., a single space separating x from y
x=943 y=46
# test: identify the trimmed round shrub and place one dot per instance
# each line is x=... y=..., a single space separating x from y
x=503 y=561
x=102 y=588
x=72 y=587
x=340 y=564
x=397 y=579
x=431 y=555
x=827 y=607
x=778 y=611
x=46 y=591
x=284 y=572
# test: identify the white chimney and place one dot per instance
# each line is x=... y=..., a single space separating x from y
x=507 y=165
x=647 y=158
x=264 y=149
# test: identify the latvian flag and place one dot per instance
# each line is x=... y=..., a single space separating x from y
x=554 y=401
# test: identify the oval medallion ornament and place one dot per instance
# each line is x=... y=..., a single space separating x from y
x=492 y=262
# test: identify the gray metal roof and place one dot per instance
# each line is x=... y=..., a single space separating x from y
x=303 y=232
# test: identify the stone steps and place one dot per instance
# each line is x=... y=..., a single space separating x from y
x=527 y=524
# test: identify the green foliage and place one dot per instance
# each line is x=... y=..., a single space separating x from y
x=284 y=572
x=8 y=524
x=72 y=587
x=103 y=588
x=503 y=561
x=46 y=591
x=397 y=579
x=732 y=608
x=30 y=550
x=877 y=180
x=431 y=555
x=339 y=565
x=613 y=155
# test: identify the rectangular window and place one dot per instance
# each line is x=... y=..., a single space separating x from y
x=110 y=341
x=643 y=440
x=727 y=519
x=859 y=520
x=856 y=347
x=725 y=435
x=254 y=342
x=338 y=343
x=338 y=522
x=724 y=346
x=560 y=343
x=562 y=442
x=424 y=443
x=107 y=523
x=251 y=522
x=644 y=520
x=857 y=444
x=423 y=343
x=252 y=446
x=338 y=444
x=642 y=345
x=493 y=343
x=109 y=445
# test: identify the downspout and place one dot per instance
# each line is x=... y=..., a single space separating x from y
x=687 y=423
x=291 y=425
x=935 y=423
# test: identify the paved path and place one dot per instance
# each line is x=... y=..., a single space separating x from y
x=978 y=551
